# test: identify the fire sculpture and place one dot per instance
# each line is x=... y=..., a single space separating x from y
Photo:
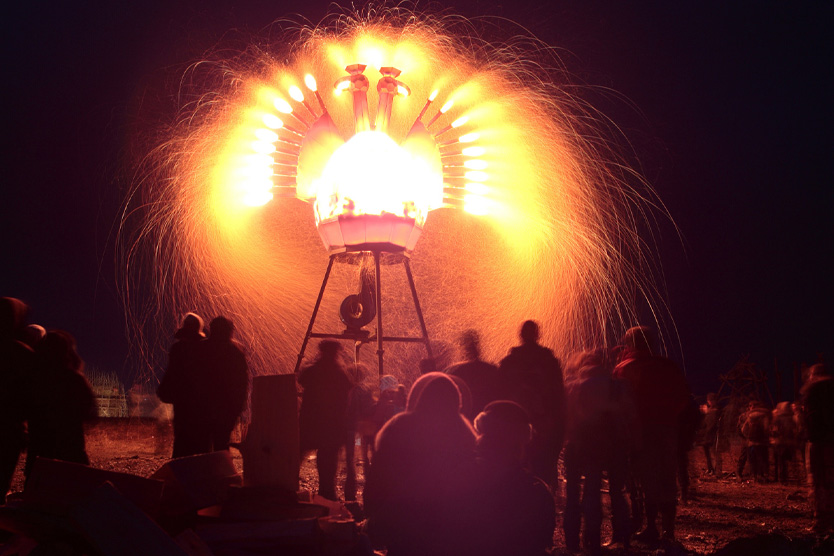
x=523 y=209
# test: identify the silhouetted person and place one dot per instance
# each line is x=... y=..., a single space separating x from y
x=480 y=377
x=225 y=382
x=818 y=401
x=61 y=401
x=708 y=435
x=179 y=387
x=660 y=395
x=755 y=427
x=323 y=414
x=532 y=376
x=360 y=409
x=419 y=487
x=16 y=361
x=783 y=440
x=601 y=429
x=392 y=400
x=517 y=514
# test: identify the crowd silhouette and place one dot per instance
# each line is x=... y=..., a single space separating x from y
x=468 y=459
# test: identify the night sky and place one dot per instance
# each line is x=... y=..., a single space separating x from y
x=727 y=105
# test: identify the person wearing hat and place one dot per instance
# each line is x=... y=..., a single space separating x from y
x=178 y=383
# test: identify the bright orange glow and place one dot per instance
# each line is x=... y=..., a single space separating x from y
x=473 y=151
x=266 y=135
x=272 y=121
x=549 y=232
x=477 y=188
x=460 y=121
x=296 y=94
x=283 y=106
x=475 y=164
x=402 y=90
x=476 y=176
x=371 y=174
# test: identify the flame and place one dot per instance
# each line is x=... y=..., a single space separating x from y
x=550 y=215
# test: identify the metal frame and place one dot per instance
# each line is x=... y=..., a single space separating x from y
x=363 y=339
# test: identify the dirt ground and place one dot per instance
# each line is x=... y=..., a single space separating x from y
x=721 y=509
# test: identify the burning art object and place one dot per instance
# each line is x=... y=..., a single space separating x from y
x=367 y=133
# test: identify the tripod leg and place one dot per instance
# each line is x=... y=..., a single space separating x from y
x=417 y=307
x=313 y=318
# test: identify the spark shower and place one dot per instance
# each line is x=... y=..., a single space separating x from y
x=526 y=208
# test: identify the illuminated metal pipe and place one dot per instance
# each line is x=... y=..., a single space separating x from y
x=456 y=124
x=466 y=138
x=298 y=96
x=425 y=107
x=285 y=108
x=310 y=81
x=358 y=85
x=445 y=108
x=388 y=87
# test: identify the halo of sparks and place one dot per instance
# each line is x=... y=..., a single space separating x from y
x=537 y=217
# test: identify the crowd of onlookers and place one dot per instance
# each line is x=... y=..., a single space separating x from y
x=44 y=397
x=470 y=460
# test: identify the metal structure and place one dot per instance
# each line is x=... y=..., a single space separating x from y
x=355 y=311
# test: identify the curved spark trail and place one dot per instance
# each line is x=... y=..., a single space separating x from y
x=539 y=217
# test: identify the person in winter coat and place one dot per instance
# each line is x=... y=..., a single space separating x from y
x=755 y=428
x=516 y=511
x=178 y=387
x=479 y=376
x=660 y=395
x=421 y=485
x=783 y=440
x=601 y=429
x=708 y=435
x=322 y=418
x=61 y=402
x=818 y=400
x=225 y=384
x=532 y=377
x=16 y=364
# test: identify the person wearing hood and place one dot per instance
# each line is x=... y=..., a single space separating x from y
x=420 y=486
x=517 y=511
x=532 y=377
x=16 y=363
x=178 y=385
x=660 y=395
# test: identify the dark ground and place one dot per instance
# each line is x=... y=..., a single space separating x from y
x=722 y=509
